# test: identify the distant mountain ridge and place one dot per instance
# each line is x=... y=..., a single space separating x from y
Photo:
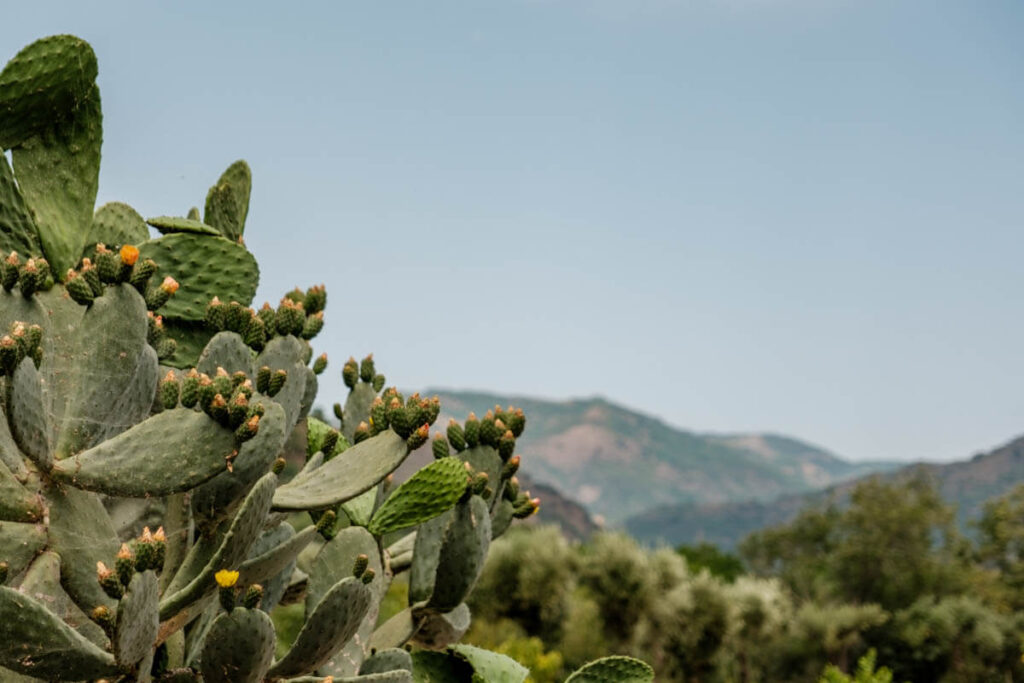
x=618 y=462
x=967 y=484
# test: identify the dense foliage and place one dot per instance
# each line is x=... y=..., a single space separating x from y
x=888 y=573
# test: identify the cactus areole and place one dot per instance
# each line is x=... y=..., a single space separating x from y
x=146 y=527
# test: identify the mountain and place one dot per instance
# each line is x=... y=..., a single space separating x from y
x=618 y=462
x=967 y=484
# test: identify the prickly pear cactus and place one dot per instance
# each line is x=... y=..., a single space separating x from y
x=147 y=526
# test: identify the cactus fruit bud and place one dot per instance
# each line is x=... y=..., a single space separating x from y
x=218 y=410
x=248 y=429
x=255 y=335
x=263 y=379
x=398 y=418
x=9 y=354
x=315 y=300
x=277 y=380
x=9 y=271
x=109 y=582
x=90 y=274
x=253 y=596
x=226 y=580
x=216 y=314
x=378 y=414
x=506 y=445
x=472 y=431
x=28 y=278
x=419 y=437
x=108 y=264
x=456 y=437
x=433 y=408
x=170 y=391
x=510 y=467
x=378 y=382
x=320 y=364
x=361 y=433
x=278 y=466
x=129 y=255
x=489 y=430
x=238 y=409
x=360 y=565
x=139 y=278
x=325 y=525
x=366 y=371
x=222 y=383
x=105 y=618
x=4 y=569
x=190 y=389
x=525 y=506
x=157 y=297
x=511 y=490
x=479 y=483
x=160 y=548
x=146 y=551
x=330 y=441
x=290 y=317
x=350 y=373
x=439 y=447
x=368 y=576
x=124 y=564
x=516 y=421
x=78 y=289
x=314 y=323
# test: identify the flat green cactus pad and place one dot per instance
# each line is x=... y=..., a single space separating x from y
x=463 y=551
x=613 y=670
x=169 y=224
x=350 y=473
x=41 y=84
x=58 y=173
x=205 y=267
x=227 y=202
x=426 y=494
x=17 y=230
x=116 y=224
x=334 y=620
x=137 y=622
x=35 y=642
x=174 y=451
x=239 y=647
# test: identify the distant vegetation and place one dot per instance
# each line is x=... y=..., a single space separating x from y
x=889 y=578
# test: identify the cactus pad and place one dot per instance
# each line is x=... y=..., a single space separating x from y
x=615 y=669
x=205 y=267
x=239 y=647
x=425 y=495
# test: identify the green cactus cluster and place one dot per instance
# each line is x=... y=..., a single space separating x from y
x=141 y=391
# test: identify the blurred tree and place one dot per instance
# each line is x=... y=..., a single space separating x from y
x=708 y=556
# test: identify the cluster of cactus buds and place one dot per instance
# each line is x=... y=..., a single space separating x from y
x=112 y=267
x=303 y=318
x=224 y=397
x=143 y=553
x=31 y=276
x=23 y=341
x=352 y=373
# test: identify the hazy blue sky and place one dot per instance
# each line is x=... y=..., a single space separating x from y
x=790 y=215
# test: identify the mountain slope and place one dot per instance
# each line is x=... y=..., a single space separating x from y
x=618 y=462
x=967 y=484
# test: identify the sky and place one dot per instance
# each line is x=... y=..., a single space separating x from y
x=796 y=216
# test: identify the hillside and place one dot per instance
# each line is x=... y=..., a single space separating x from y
x=967 y=484
x=618 y=462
